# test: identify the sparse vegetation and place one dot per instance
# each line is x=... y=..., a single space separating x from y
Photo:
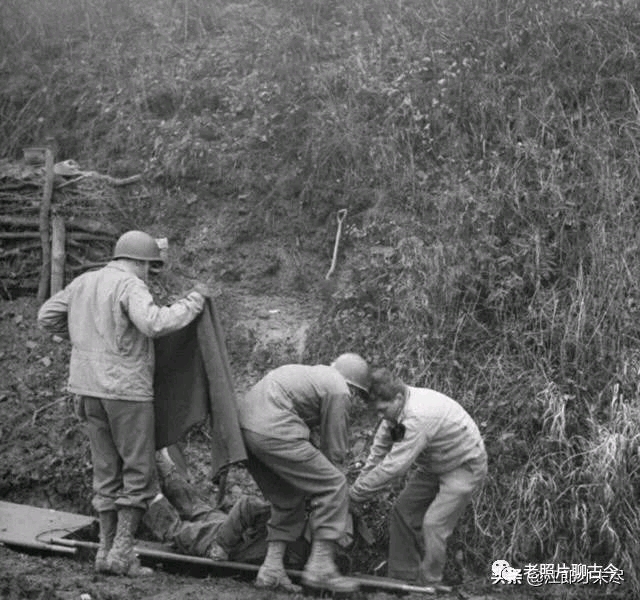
x=488 y=154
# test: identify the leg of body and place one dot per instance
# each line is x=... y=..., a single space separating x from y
x=162 y=519
x=196 y=538
x=245 y=514
x=179 y=491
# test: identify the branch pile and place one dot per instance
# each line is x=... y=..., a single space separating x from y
x=56 y=221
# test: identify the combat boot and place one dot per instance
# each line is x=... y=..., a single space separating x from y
x=122 y=559
x=321 y=573
x=108 y=520
x=272 y=574
x=162 y=519
x=217 y=553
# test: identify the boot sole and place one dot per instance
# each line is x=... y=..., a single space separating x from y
x=320 y=588
x=325 y=593
x=274 y=584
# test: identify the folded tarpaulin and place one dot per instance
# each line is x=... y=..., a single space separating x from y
x=192 y=381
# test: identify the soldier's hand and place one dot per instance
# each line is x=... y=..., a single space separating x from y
x=202 y=289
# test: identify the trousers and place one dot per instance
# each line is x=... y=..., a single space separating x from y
x=122 y=452
x=242 y=532
x=192 y=525
x=288 y=472
x=424 y=516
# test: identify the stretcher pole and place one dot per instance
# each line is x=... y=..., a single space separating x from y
x=369 y=582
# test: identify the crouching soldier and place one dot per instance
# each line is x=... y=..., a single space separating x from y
x=432 y=431
x=276 y=417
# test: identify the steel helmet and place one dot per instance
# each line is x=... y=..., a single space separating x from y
x=137 y=245
x=354 y=369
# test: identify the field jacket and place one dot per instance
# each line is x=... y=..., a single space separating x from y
x=291 y=400
x=111 y=318
x=439 y=437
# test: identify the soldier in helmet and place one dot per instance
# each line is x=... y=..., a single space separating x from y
x=276 y=417
x=110 y=318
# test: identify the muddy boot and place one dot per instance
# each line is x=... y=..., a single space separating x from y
x=320 y=572
x=162 y=519
x=122 y=559
x=217 y=552
x=272 y=574
x=108 y=523
x=424 y=580
x=179 y=492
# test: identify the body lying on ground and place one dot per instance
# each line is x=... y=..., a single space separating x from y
x=181 y=517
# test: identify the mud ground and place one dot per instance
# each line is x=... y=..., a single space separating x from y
x=29 y=576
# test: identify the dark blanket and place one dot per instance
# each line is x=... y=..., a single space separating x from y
x=192 y=381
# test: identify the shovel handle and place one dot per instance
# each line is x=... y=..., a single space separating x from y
x=342 y=213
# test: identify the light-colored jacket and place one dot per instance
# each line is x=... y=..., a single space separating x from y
x=439 y=436
x=291 y=400
x=111 y=318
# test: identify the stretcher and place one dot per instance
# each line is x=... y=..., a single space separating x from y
x=53 y=531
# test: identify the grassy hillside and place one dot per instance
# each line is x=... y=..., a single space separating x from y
x=487 y=153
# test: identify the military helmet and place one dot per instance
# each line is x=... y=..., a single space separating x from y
x=354 y=369
x=137 y=245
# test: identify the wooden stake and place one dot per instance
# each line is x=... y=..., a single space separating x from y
x=45 y=237
x=58 y=235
